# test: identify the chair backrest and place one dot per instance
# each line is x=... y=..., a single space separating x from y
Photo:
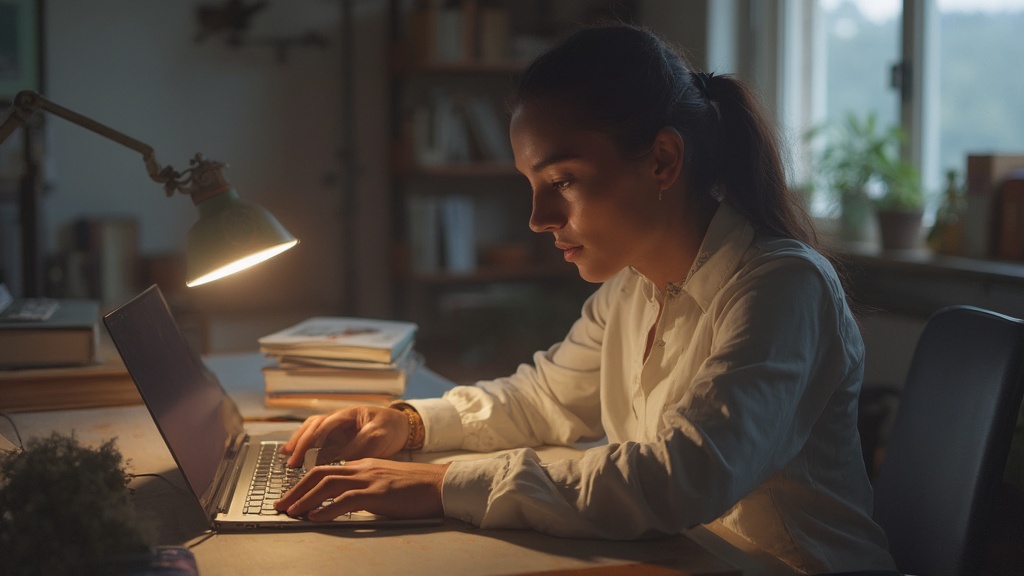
x=949 y=443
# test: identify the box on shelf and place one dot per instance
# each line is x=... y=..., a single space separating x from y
x=984 y=174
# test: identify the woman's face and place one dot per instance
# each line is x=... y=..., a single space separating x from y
x=601 y=206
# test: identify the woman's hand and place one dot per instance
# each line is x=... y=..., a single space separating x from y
x=385 y=487
x=357 y=432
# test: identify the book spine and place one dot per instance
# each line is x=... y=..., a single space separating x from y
x=459 y=234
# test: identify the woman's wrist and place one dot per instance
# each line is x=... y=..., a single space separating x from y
x=417 y=433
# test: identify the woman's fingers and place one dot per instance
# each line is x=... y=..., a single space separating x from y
x=358 y=432
x=305 y=438
x=307 y=493
x=289 y=446
x=395 y=489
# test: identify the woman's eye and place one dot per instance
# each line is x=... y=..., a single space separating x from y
x=560 y=185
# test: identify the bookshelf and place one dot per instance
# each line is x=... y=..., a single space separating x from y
x=485 y=290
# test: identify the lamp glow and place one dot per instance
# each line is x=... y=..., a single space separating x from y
x=242 y=264
x=230 y=236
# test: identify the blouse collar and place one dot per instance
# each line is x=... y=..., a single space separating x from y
x=728 y=237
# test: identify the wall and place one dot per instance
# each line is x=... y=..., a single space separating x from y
x=136 y=66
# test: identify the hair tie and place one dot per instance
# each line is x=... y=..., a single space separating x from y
x=703 y=80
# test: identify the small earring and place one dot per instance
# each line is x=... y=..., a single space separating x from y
x=661 y=194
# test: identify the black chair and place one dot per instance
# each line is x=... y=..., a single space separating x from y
x=944 y=460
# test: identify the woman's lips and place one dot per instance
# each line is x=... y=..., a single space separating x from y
x=569 y=252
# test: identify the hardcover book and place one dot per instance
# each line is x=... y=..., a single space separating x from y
x=69 y=337
x=338 y=337
x=106 y=383
x=298 y=377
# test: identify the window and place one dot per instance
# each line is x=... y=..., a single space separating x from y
x=979 y=52
x=959 y=62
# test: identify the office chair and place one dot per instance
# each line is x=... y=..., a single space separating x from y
x=945 y=457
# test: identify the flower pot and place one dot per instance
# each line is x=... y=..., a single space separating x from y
x=855 y=218
x=899 y=229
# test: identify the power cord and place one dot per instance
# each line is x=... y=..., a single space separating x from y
x=201 y=538
x=21 y=444
x=176 y=488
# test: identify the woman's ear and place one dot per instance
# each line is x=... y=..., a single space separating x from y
x=668 y=152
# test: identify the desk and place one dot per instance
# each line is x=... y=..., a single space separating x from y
x=452 y=548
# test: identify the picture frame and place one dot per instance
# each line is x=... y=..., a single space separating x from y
x=20 y=47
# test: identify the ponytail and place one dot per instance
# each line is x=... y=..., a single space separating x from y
x=748 y=164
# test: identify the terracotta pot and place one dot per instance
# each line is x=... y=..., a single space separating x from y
x=899 y=230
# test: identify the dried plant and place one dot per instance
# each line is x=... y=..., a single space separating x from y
x=65 y=508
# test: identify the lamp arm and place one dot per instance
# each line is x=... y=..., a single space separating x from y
x=27 y=102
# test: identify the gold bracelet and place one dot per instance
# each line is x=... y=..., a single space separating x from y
x=417 y=433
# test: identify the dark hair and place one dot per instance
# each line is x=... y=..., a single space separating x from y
x=629 y=83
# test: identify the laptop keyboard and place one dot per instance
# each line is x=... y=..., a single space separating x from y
x=271 y=479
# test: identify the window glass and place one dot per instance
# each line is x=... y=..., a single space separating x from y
x=857 y=42
x=862 y=42
x=981 y=50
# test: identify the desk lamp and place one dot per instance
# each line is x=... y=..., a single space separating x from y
x=231 y=235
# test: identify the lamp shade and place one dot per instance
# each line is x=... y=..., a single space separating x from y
x=232 y=235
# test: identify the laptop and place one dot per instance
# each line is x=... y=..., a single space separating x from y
x=202 y=427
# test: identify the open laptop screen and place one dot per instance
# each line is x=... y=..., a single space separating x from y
x=196 y=418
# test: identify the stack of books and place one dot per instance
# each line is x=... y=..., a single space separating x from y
x=329 y=362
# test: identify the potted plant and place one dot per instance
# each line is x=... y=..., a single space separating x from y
x=66 y=510
x=853 y=156
x=900 y=206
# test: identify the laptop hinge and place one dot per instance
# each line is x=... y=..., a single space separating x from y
x=226 y=477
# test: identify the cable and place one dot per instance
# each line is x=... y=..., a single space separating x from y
x=14 y=426
x=202 y=538
x=177 y=488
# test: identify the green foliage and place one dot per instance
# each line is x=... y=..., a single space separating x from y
x=858 y=152
x=903 y=191
x=65 y=508
x=854 y=152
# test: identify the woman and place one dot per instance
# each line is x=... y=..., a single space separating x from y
x=719 y=356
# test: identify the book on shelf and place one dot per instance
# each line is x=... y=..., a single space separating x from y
x=423 y=216
x=106 y=383
x=487 y=130
x=458 y=234
x=365 y=339
x=494 y=35
x=68 y=337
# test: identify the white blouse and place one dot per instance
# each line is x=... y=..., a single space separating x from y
x=744 y=413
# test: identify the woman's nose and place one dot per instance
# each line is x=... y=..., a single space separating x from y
x=548 y=213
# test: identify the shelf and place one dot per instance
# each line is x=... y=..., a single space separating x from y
x=925 y=261
x=920 y=282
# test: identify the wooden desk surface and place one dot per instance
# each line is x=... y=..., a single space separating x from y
x=452 y=548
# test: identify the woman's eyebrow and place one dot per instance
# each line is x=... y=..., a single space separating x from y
x=553 y=158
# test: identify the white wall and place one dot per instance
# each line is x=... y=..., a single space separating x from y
x=135 y=66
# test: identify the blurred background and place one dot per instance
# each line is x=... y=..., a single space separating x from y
x=375 y=131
